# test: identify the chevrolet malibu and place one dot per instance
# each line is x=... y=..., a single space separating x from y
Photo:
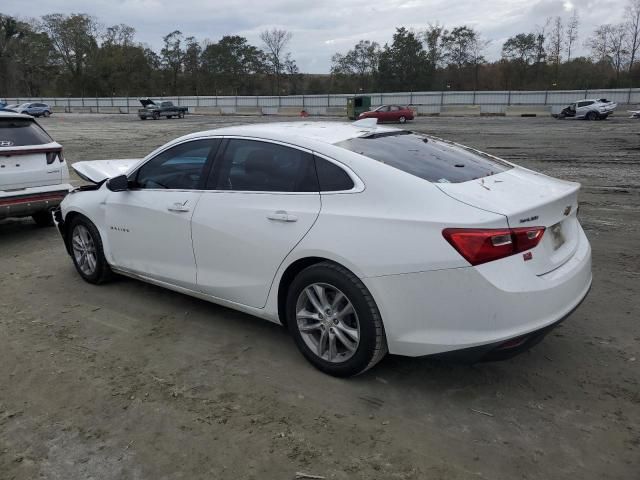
x=360 y=239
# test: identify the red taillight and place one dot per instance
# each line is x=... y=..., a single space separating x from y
x=485 y=245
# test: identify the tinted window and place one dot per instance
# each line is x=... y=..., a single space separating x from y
x=166 y=104
x=180 y=167
x=331 y=177
x=20 y=132
x=425 y=157
x=249 y=165
x=584 y=104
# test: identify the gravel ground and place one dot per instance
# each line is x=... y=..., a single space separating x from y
x=130 y=381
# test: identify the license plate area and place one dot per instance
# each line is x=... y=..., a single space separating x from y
x=557 y=236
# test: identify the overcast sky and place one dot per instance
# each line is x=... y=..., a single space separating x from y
x=322 y=27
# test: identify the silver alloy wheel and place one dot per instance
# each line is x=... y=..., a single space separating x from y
x=327 y=322
x=84 y=250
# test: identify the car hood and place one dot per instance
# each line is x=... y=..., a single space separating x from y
x=146 y=102
x=97 y=171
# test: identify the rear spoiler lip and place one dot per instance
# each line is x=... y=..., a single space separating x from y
x=28 y=151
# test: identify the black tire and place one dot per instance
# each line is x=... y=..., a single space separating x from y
x=372 y=346
x=43 y=218
x=102 y=272
x=169 y=116
x=156 y=115
x=143 y=118
x=402 y=119
x=181 y=115
x=47 y=113
x=591 y=116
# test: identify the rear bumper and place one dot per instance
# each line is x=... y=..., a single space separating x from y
x=434 y=312
x=28 y=201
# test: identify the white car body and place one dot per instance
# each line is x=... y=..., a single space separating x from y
x=34 y=177
x=593 y=108
x=234 y=248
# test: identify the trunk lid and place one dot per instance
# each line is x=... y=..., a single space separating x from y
x=97 y=171
x=528 y=199
x=25 y=167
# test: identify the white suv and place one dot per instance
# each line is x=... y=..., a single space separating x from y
x=34 y=177
x=590 y=109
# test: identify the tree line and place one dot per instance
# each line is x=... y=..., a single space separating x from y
x=73 y=55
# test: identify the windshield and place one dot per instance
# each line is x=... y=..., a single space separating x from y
x=425 y=157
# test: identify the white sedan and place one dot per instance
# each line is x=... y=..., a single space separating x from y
x=361 y=239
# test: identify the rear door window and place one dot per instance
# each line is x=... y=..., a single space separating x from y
x=255 y=166
x=425 y=157
x=21 y=132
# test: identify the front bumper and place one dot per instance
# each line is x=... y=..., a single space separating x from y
x=434 y=312
x=28 y=201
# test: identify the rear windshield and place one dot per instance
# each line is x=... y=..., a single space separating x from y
x=21 y=132
x=426 y=157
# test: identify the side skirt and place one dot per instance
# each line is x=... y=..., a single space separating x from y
x=256 y=312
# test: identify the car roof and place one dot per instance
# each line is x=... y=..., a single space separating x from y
x=5 y=114
x=324 y=132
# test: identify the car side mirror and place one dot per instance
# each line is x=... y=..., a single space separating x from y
x=118 y=184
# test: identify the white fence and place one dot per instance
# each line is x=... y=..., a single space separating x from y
x=495 y=102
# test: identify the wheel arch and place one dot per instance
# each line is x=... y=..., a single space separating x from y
x=292 y=270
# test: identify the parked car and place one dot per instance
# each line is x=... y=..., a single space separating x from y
x=361 y=240
x=155 y=110
x=389 y=113
x=34 y=109
x=34 y=177
x=12 y=107
x=590 y=109
x=634 y=113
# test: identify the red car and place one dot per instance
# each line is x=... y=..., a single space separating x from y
x=389 y=113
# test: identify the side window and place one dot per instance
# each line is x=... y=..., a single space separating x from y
x=384 y=109
x=584 y=104
x=395 y=108
x=180 y=167
x=255 y=166
x=331 y=177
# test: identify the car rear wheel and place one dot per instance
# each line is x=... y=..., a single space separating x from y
x=592 y=116
x=334 y=320
x=181 y=115
x=46 y=113
x=87 y=252
x=156 y=115
x=402 y=119
x=43 y=218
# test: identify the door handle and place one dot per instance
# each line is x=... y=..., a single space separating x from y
x=282 y=216
x=179 y=207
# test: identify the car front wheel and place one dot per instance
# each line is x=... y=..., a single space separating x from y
x=402 y=119
x=87 y=252
x=335 y=321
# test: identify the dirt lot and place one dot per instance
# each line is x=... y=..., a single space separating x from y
x=129 y=381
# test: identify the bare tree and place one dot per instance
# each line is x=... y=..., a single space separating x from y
x=276 y=40
x=617 y=42
x=554 y=45
x=633 y=30
x=599 y=43
x=572 y=33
